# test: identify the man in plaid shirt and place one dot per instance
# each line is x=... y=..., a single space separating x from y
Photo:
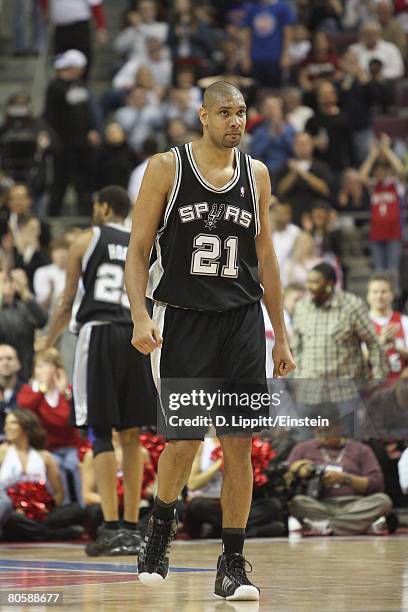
x=329 y=328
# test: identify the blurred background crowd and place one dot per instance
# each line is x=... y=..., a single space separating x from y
x=91 y=89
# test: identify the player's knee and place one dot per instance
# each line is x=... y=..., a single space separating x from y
x=130 y=436
x=102 y=443
x=185 y=448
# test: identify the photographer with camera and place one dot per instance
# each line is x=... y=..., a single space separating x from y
x=338 y=484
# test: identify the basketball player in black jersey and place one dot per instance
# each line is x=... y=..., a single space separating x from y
x=112 y=383
x=205 y=207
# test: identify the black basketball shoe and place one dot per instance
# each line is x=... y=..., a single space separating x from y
x=231 y=581
x=132 y=541
x=153 y=562
x=110 y=542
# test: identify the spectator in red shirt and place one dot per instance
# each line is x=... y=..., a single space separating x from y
x=384 y=174
x=49 y=396
x=391 y=326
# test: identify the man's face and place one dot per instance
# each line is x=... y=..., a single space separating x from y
x=292 y=99
x=44 y=372
x=379 y=295
x=185 y=79
x=225 y=121
x=59 y=257
x=281 y=216
x=320 y=217
x=9 y=363
x=73 y=73
x=19 y=200
x=327 y=95
x=137 y=97
x=384 y=12
x=147 y=10
x=115 y=134
x=317 y=285
x=98 y=213
x=303 y=146
x=7 y=289
x=272 y=109
x=177 y=131
x=371 y=35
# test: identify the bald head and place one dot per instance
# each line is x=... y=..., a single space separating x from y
x=220 y=91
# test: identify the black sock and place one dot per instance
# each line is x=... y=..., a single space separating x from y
x=164 y=511
x=111 y=524
x=129 y=525
x=233 y=541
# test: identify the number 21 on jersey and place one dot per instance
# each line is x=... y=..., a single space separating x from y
x=207 y=253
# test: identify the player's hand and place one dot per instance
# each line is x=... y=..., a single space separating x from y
x=283 y=362
x=146 y=336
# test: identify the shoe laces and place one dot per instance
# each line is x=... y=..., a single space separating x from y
x=159 y=541
x=238 y=567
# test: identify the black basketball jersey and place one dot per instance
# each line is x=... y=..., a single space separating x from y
x=101 y=295
x=206 y=256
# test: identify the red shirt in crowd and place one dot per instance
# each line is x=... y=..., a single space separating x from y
x=386 y=210
x=55 y=419
x=395 y=361
x=320 y=69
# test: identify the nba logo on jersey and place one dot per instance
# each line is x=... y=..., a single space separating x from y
x=242 y=191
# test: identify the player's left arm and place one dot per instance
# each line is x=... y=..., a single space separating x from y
x=269 y=275
x=62 y=312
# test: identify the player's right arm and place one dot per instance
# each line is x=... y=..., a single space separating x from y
x=148 y=211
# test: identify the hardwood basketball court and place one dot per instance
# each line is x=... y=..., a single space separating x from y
x=311 y=574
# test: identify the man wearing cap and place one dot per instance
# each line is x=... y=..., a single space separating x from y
x=68 y=110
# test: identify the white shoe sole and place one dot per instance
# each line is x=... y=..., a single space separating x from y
x=243 y=593
x=153 y=579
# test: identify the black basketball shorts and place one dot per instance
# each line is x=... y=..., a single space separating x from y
x=224 y=350
x=112 y=381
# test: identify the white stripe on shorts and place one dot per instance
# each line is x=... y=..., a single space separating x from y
x=159 y=311
x=80 y=373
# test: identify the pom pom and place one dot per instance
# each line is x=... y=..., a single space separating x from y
x=32 y=499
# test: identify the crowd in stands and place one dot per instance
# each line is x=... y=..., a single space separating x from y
x=324 y=85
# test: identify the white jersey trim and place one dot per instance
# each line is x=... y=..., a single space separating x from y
x=159 y=312
x=156 y=271
x=231 y=183
x=174 y=191
x=92 y=246
x=254 y=193
x=119 y=226
x=74 y=326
